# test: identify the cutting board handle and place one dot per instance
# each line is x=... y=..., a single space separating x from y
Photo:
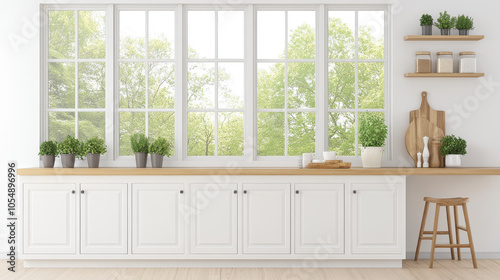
x=424 y=100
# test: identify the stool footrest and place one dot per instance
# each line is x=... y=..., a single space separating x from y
x=426 y=237
x=462 y=228
x=438 y=232
x=452 y=245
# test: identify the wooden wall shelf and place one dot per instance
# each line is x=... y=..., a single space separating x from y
x=444 y=75
x=444 y=37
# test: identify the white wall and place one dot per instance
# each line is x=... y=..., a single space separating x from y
x=471 y=106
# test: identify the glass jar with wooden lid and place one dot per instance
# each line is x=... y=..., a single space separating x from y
x=444 y=62
x=467 y=62
x=423 y=62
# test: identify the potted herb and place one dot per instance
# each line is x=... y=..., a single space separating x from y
x=453 y=148
x=48 y=151
x=158 y=149
x=140 y=145
x=69 y=149
x=445 y=22
x=464 y=24
x=93 y=148
x=426 y=23
x=372 y=134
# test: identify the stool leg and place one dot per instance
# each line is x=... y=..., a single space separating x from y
x=469 y=235
x=448 y=218
x=422 y=227
x=457 y=231
x=434 y=234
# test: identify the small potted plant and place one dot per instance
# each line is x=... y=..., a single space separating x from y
x=140 y=145
x=445 y=22
x=48 y=151
x=158 y=149
x=426 y=23
x=453 y=148
x=93 y=148
x=69 y=149
x=372 y=134
x=464 y=24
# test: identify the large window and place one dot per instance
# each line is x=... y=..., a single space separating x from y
x=253 y=83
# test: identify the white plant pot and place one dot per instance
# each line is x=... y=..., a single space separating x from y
x=372 y=156
x=453 y=160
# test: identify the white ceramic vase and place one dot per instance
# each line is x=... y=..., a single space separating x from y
x=372 y=157
x=453 y=160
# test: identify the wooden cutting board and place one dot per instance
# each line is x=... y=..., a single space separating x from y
x=419 y=128
x=425 y=111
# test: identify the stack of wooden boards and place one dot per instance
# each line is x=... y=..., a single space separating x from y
x=329 y=164
x=424 y=122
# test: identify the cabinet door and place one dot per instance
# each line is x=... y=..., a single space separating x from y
x=214 y=223
x=319 y=218
x=104 y=218
x=157 y=218
x=49 y=218
x=266 y=218
x=377 y=218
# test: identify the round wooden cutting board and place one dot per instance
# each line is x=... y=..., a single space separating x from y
x=415 y=133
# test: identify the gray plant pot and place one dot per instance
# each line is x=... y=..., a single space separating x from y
x=426 y=29
x=48 y=161
x=68 y=160
x=463 y=31
x=445 y=31
x=141 y=159
x=156 y=160
x=93 y=160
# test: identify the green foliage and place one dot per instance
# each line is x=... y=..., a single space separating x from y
x=453 y=145
x=139 y=143
x=70 y=145
x=445 y=21
x=372 y=130
x=160 y=146
x=48 y=148
x=94 y=145
x=464 y=22
x=426 y=19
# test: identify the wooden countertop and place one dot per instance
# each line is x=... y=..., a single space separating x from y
x=104 y=171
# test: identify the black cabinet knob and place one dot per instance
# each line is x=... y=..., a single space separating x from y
x=182 y=191
x=82 y=191
x=245 y=192
x=73 y=192
x=235 y=191
x=354 y=191
x=297 y=191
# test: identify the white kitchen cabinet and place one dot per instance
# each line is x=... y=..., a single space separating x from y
x=50 y=218
x=158 y=218
x=103 y=218
x=319 y=219
x=377 y=218
x=266 y=218
x=214 y=223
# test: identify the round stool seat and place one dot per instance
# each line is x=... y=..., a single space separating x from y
x=447 y=201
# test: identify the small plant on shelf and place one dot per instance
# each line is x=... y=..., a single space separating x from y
x=93 y=148
x=69 y=148
x=445 y=22
x=159 y=148
x=372 y=134
x=426 y=23
x=464 y=24
x=48 y=151
x=140 y=145
x=453 y=148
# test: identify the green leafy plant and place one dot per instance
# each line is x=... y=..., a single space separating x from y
x=94 y=145
x=464 y=22
x=48 y=148
x=160 y=146
x=70 y=145
x=426 y=19
x=139 y=143
x=453 y=145
x=445 y=21
x=372 y=130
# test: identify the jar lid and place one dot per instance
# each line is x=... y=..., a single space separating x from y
x=444 y=53
x=423 y=53
x=467 y=53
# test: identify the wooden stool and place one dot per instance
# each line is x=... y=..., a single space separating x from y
x=447 y=202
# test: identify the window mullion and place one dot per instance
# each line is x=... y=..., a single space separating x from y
x=109 y=95
x=146 y=40
x=76 y=73
x=216 y=85
x=250 y=94
x=180 y=83
x=322 y=80
x=356 y=89
x=286 y=83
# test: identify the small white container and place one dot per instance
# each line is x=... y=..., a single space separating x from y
x=444 y=62
x=329 y=155
x=467 y=62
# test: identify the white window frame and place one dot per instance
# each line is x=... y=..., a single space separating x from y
x=250 y=158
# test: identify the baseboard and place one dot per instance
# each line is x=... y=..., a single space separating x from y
x=447 y=255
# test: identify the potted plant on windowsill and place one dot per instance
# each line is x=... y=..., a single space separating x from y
x=453 y=148
x=48 y=151
x=140 y=145
x=464 y=24
x=158 y=149
x=69 y=149
x=93 y=148
x=445 y=22
x=372 y=134
x=426 y=23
